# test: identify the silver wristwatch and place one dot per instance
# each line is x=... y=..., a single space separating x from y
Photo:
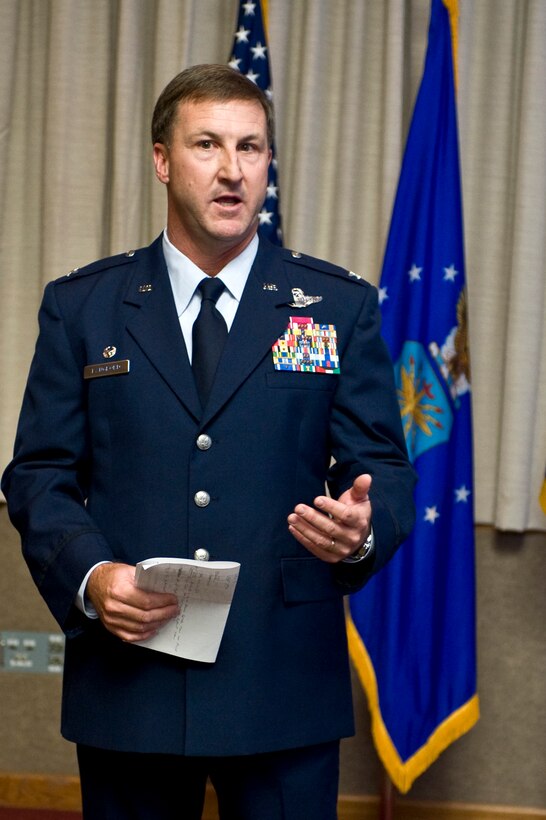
x=362 y=552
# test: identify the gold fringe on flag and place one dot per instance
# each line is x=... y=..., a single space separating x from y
x=453 y=9
x=265 y=17
x=404 y=773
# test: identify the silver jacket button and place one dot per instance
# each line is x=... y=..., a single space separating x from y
x=202 y=498
x=201 y=554
x=204 y=442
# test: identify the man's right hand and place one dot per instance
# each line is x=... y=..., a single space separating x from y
x=130 y=613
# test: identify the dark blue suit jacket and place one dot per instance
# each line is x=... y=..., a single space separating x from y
x=107 y=469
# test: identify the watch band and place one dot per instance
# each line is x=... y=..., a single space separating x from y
x=362 y=552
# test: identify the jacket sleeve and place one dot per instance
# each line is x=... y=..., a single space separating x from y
x=367 y=437
x=46 y=482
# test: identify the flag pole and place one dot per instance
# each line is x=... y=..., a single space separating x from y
x=386 y=798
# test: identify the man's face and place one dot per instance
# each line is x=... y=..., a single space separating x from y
x=215 y=169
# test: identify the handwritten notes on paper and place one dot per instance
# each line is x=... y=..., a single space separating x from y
x=204 y=590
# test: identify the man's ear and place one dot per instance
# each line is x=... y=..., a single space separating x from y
x=161 y=162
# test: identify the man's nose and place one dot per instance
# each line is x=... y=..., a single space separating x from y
x=230 y=167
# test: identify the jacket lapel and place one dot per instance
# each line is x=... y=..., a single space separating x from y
x=261 y=318
x=156 y=328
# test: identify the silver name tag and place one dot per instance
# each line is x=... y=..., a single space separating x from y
x=96 y=371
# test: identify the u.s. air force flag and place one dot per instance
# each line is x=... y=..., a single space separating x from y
x=412 y=628
x=250 y=56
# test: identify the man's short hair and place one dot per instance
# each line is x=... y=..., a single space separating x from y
x=205 y=83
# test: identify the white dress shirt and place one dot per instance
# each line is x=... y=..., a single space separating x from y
x=185 y=276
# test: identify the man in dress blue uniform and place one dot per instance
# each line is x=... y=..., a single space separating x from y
x=124 y=451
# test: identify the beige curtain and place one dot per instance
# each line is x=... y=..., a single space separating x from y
x=78 y=80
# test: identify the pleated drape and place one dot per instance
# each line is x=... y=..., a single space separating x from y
x=78 y=80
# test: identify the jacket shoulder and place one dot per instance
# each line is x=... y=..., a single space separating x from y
x=100 y=266
x=321 y=265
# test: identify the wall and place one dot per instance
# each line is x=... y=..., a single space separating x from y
x=501 y=761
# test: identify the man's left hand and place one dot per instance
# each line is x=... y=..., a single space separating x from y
x=333 y=530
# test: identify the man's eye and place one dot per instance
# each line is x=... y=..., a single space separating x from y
x=206 y=144
x=246 y=146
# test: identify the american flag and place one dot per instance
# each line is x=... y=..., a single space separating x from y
x=250 y=57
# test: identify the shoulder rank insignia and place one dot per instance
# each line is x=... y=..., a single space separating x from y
x=301 y=300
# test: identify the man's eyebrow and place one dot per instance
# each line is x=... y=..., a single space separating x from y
x=201 y=133
x=252 y=138
x=206 y=133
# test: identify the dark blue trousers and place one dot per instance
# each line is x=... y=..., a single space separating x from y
x=288 y=785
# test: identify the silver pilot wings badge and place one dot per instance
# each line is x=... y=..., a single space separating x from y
x=301 y=300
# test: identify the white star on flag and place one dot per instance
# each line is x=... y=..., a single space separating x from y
x=382 y=295
x=461 y=494
x=431 y=514
x=258 y=51
x=249 y=8
x=252 y=76
x=265 y=217
x=241 y=36
x=450 y=273
x=271 y=191
x=414 y=273
x=234 y=63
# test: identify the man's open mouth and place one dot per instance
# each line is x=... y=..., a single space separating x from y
x=228 y=200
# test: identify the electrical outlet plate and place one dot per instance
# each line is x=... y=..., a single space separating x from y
x=39 y=652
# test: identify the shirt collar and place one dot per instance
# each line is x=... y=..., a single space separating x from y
x=185 y=275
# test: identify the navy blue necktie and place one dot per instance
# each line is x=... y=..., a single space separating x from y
x=208 y=337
